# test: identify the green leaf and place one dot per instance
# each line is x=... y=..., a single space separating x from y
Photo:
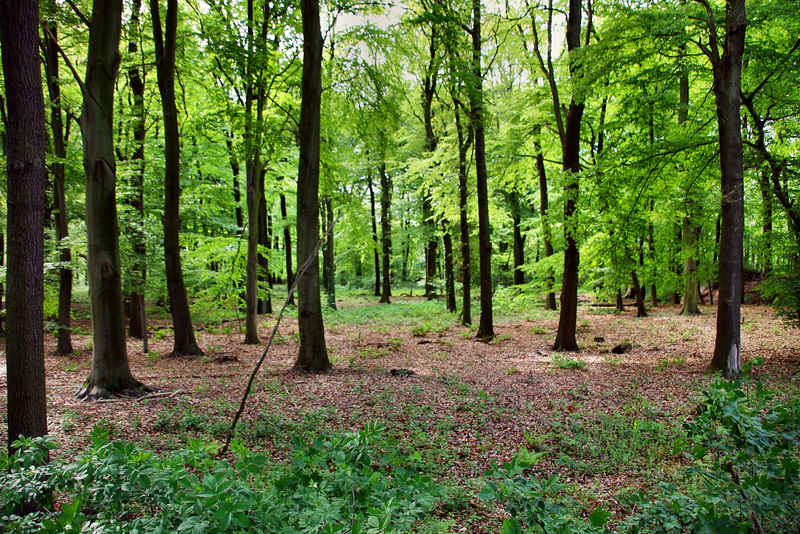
x=598 y=517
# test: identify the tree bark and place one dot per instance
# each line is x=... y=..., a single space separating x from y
x=64 y=343
x=184 y=342
x=312 y=354
x=638 y=290
x=449 y=274
x=486 y=324
x=386 y=233
x=110 y=373
x=547 y=233
x=137 y=326
x=265 y=243
x=329 y=256
x=287 y=241
x=570 y=148
x=376 y=256
x=519 y=239
x=727 y=71
x=463 y=209
x=27 y=179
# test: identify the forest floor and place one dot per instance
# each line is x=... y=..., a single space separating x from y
x=605 y=422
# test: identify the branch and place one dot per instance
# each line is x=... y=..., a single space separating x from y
x=78 y=13
x=300 y=272
x=69 y=64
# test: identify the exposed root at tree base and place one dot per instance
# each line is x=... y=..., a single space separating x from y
x=90 y=392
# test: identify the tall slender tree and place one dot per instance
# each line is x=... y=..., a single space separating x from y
x=110 y=373
x=27 y=177
x=312 y=354
x=726 y=64
x=166 y=43
x=64 y=343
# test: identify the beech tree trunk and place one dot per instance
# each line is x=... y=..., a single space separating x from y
x=376 y=256
x=64 y=343
x=27 y=179
x=287 y=242
x=519 y=239
x=638 y=290
x=312 y=354
x=329 y=256
x=137 y=326
x=570 y=148
x=386 y=233
x=184 y=341
x=727 y=71
x=486 y=324
x=449 y=274
x=547 y=233
x=463 y=208
x=110 y=373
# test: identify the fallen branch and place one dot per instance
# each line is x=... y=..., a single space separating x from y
x=300 y=272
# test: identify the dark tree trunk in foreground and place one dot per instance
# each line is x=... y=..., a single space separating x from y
x=27 y=177
x=727 y=71
x=486 y=324
x=110 y=373
x=312 y=354
x=184 y=342
x=570 y=147
x=64 y=345
x=376 y=256
x=386 y=233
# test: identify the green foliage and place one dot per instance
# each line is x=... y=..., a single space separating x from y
x=565 y=362
x=536 y=506
x=339 y=483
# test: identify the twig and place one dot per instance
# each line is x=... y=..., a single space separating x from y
x=291 y=398
x=159 y=395
x=300 y=272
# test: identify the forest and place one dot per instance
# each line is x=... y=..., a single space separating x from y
x=400 y=266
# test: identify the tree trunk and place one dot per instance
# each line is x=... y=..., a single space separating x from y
x=329 y=256
x=547 y=233
x=64 y=345
x=386 y=233
x=638 y=290
x=287 y=241
x=570 y=148
x=110 y=373
x=449 y=273
x=265 y=243
x=312 y=354
x=429 y=238
x=184 y=342
x=375 y=254
x=691 y=288
x=463 y=209
x=727 y=92
x=137 y=326
x=237 y=191
x=486 y=324
x=27 y=179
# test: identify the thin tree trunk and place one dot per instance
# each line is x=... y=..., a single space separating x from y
x=265 y=243
x=137 y=326
x=329 y=256
x=449 y=273
x=375 y=254
x=486 y=324
x=463 y=209
x=64 y=344
x=386 y=233
x=110 y=373
x=639 y=292
x=237 y=191
x=312 y=354
x=547 y=233
x=519 y=239
x=690 y=293
x=287 y=241
x=727 y=70
x=184 y=342
x=27 y=179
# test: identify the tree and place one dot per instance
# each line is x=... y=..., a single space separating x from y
x=486 y=324
x=64 y=344
x=312 y=354
x=184 y=340
x=27 y=176
x=727 y=72
x=110 y=373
